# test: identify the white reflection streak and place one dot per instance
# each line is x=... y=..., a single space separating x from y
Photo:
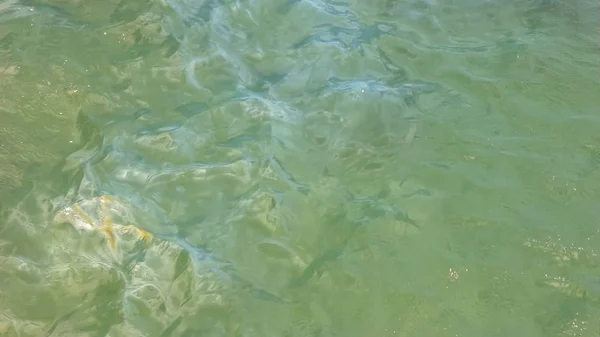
x=190 y=72
x=10 y=10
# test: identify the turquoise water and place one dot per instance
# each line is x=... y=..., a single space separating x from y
x=299 y=168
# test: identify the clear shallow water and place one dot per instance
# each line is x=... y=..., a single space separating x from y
x=305 y=168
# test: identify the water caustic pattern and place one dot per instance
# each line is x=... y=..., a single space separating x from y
x=77 y=216
x=299 y=168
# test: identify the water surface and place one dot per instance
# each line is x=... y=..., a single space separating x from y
x=304 y=168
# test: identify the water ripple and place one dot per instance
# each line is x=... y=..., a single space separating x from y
x=298 y=168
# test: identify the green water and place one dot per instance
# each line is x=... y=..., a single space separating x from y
x=305 y=168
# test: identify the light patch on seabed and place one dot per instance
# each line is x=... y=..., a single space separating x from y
x=154 y=283
x=97 y=213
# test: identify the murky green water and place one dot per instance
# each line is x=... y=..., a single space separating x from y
x=299 y=168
